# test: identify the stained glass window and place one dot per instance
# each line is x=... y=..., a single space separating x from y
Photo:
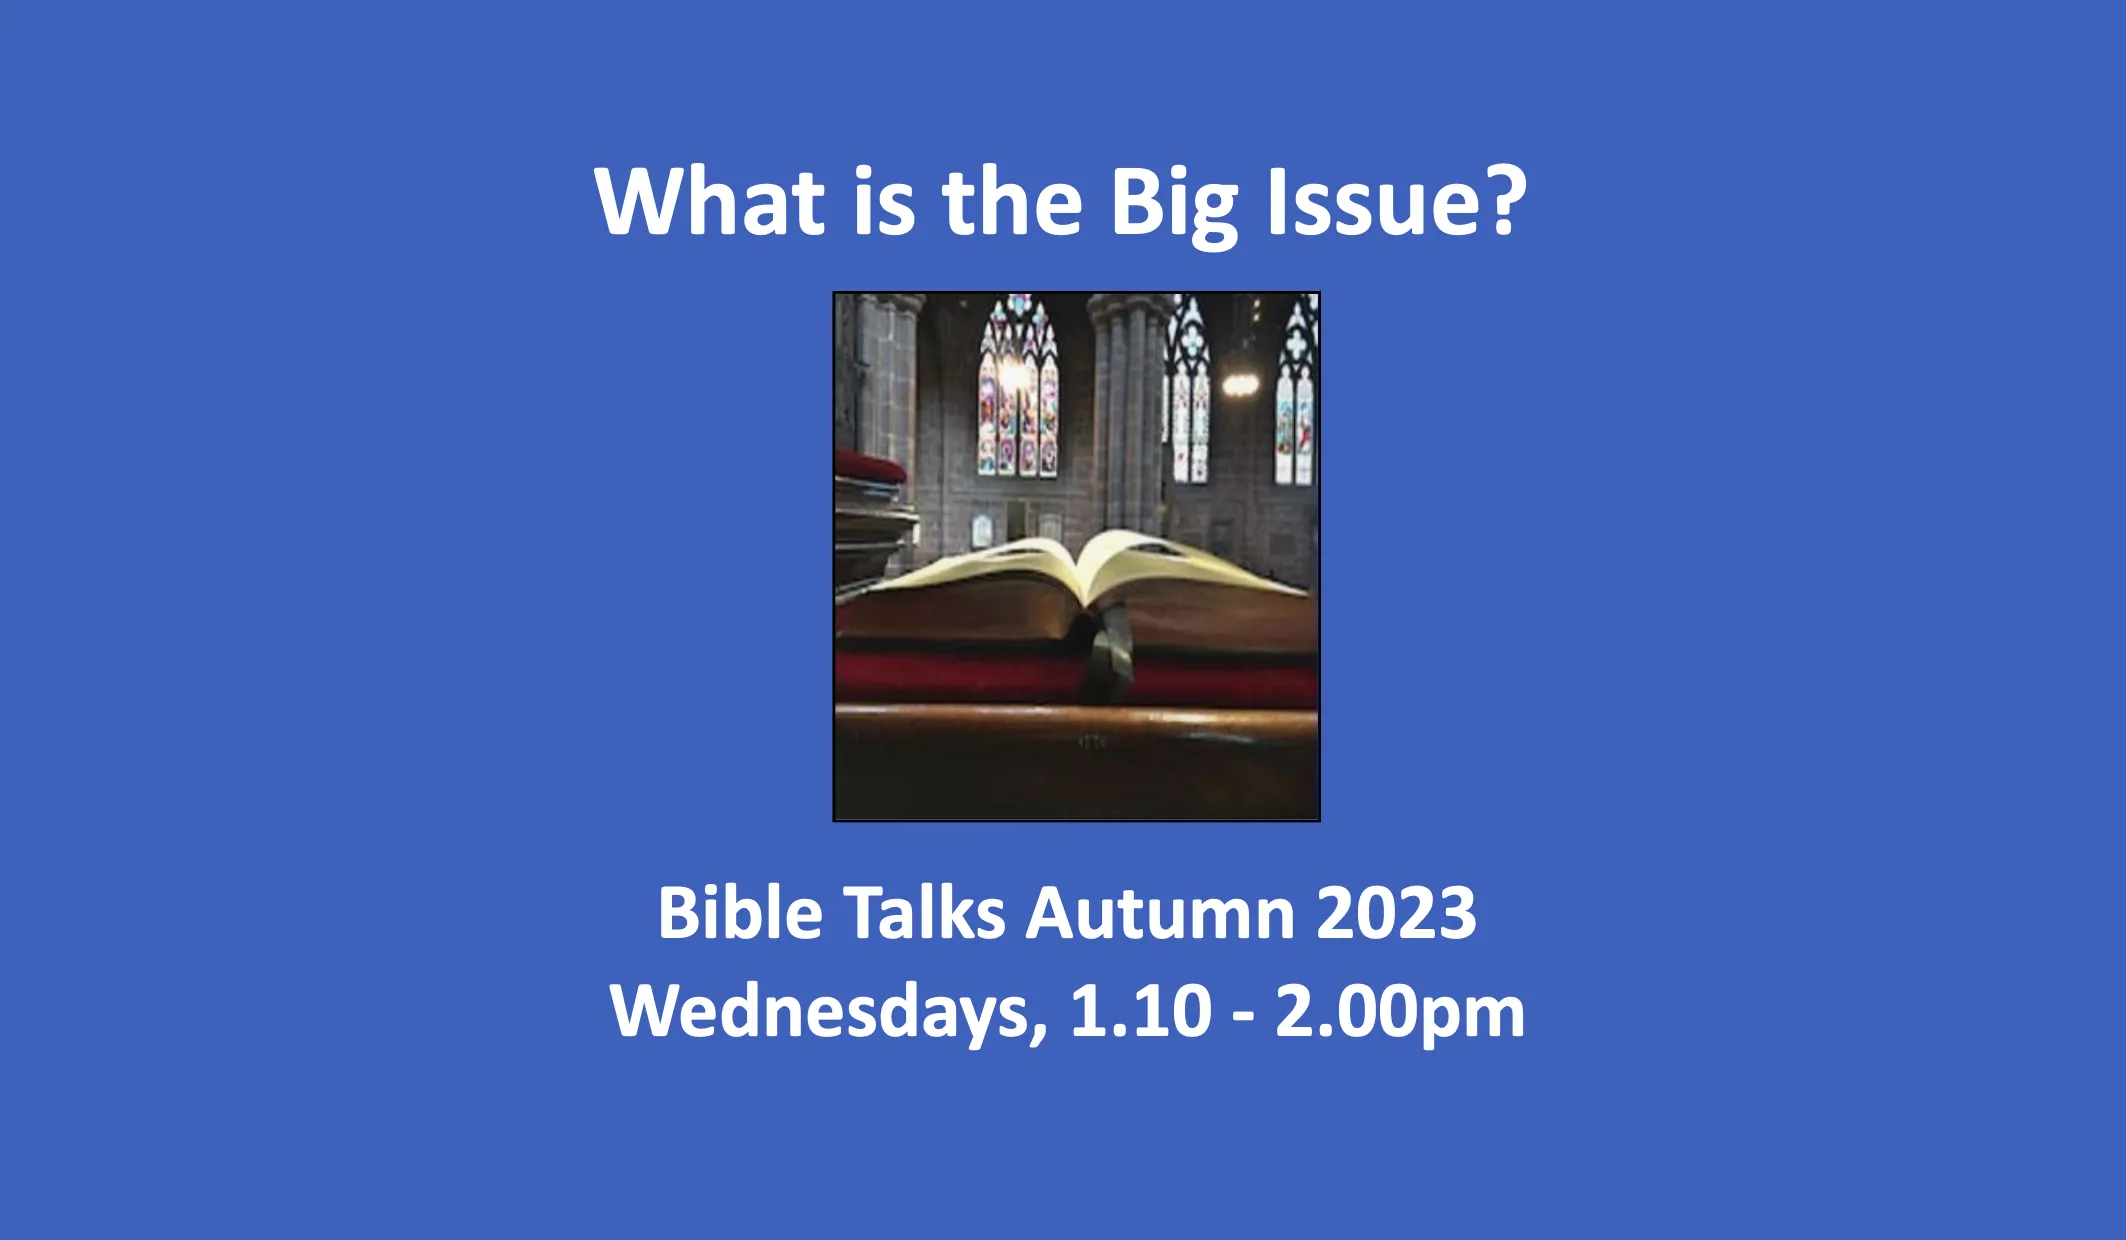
x=1298 y=372
x=1019 y=431
x=1186 y=411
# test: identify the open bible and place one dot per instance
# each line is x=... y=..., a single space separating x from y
x=1033 y=590
x=1131 y=617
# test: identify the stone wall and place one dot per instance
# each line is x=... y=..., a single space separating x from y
x=948 y=416
x=1241 y=513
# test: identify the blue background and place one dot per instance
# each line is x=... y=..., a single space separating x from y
x=1721 y=580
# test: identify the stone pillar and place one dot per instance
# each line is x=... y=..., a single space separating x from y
x=885 y=391
x=1114 y=431
x=885 y=354
x=845 y=372
x=1129 y=332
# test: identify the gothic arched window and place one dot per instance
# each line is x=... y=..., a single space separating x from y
x=1298 y=373
x=1020 y=435
x=1187 y=416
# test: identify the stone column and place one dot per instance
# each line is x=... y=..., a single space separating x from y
x=1129 y=332
x=885 y=354
x=885 y=393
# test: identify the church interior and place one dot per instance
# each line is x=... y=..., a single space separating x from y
x=1193 y=416
x=965 y=422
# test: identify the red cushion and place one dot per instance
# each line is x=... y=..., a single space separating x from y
x=849 y=464
x=1261 y=686
x=927 y=676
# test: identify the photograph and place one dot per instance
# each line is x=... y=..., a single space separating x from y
x=1077 y=556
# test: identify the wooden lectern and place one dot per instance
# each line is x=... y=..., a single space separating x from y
x=1000 y=762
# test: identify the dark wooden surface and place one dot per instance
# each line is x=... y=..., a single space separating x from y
x=1083 y=762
